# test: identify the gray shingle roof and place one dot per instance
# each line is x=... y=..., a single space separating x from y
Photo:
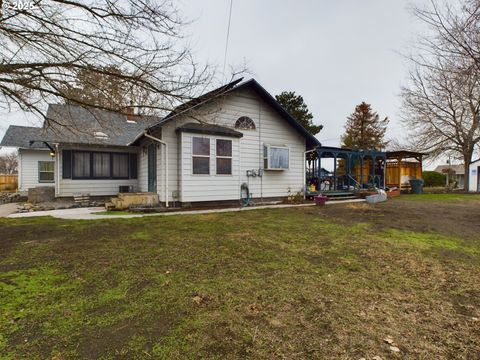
x=459 y=169
x=79 y=125
x=20 y=136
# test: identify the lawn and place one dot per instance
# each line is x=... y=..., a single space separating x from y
x=300 y=283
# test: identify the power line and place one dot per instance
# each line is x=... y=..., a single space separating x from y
x=228 y=36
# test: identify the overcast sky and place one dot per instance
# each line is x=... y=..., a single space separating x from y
x=335 y=54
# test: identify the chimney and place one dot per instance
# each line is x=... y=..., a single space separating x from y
x=129 y=112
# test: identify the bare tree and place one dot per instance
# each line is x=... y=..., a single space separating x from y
x=44 y=48
x=442 y=98
x=8 y=163
x=455 y=27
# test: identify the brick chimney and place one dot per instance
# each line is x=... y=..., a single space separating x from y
x=129 y=112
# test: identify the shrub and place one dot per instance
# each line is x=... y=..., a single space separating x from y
x=433 y=178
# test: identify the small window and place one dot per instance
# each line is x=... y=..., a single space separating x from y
x=245 y=123
x=276 y=157
x=46 y=171
x=200 y=156
x=101 y=165
x=224 y=157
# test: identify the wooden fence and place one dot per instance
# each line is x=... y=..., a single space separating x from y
x=8 y=182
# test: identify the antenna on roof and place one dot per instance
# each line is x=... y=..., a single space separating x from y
x=228 y=36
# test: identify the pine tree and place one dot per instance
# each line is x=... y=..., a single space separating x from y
x=364 y=130
x=296 y=107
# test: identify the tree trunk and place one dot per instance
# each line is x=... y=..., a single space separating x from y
x=466 y=165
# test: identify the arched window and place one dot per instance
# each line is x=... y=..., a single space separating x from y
x=245 y=123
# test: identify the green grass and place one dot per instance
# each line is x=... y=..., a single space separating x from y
x=264 y=284
x=440 y=197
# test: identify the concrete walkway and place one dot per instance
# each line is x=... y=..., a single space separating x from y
x=89 y=213
x=7 y=209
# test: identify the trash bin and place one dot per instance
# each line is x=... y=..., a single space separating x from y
x=417 y=186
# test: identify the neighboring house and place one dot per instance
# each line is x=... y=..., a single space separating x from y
x=202 y=151
x=457 y=171
x=474 y=176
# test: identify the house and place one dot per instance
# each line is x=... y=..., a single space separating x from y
x=203 y=151
x=474 y=176
x=454 y=173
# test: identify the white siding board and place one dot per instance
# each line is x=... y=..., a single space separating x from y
x=28 y=169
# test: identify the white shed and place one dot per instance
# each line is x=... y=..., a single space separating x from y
x=474 y=176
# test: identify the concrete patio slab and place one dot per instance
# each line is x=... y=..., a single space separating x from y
x=7 y=209
x=89 y=213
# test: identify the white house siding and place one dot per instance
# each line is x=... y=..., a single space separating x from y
x=28 y=168
x=473 y=176
x=271 y=129
x=208 y=187
x=107 y=187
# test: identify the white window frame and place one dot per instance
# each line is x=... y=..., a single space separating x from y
x=223 y=157
x=39 y=172
x=204 y=156
x=269 y=147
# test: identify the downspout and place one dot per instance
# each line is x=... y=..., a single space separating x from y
x=166 y=163
x=305 y=172
x=57 y=153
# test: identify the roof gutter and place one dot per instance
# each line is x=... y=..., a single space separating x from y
x=147 y=135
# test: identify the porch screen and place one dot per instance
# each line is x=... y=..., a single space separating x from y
x=120 y=165
x=81 y=164
x=101 y=165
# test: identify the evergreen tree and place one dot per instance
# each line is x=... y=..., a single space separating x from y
x=364 y=129
x=296 y=107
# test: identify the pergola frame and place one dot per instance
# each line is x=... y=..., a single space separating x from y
x=352 y=158
x=402 y=157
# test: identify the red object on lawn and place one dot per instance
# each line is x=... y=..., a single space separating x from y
x=320 y=200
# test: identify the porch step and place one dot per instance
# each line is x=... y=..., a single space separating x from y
x=342 y=198
x=127 y=200
x=340 y=195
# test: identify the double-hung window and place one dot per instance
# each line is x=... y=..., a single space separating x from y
x=224 y=157
x=46 y=171
x=200 y=156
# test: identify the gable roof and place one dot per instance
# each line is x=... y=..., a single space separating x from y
x=312 y=141
x=79 y=125
x=459 y=169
